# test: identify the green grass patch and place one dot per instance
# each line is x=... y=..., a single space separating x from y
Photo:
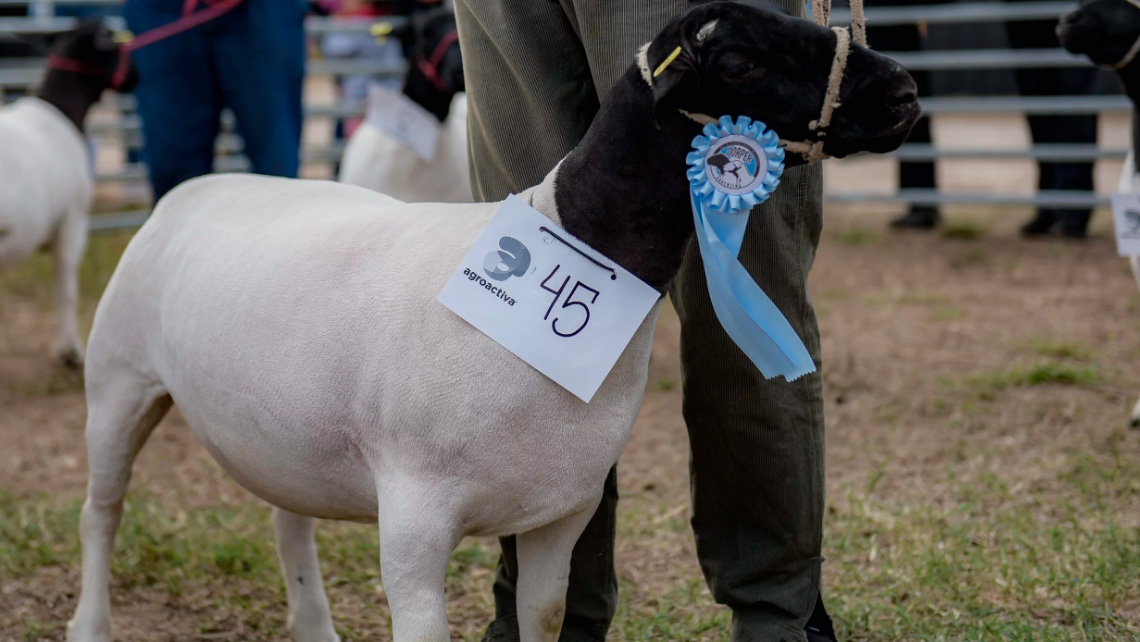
x=1062 y=350
x=1050 y=372
x=856 y=236
x=996 y=564
x=962 y=231
x=33 y=277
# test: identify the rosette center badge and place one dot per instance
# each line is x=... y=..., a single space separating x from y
x=736 y=164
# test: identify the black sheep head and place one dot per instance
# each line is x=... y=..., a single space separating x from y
x=748 y=59
x=1103 y=30
x=92 y=44
x=422 y=34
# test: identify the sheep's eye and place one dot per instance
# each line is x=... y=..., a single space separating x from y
x=736 y=66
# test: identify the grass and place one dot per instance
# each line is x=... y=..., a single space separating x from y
x=962 y=230
x=1049 y=372
x=1059 y=561
x=32 y=278
x=856 y=236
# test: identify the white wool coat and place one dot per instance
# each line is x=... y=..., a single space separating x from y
x=295 y=324
x=45 y=177
x=378 y=162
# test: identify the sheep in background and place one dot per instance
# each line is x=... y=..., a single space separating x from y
x=295 y=324
x=377 y=161
x=1108 y=32
x=46 y=180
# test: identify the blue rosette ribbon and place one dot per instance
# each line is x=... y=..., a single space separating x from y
x=733 y=167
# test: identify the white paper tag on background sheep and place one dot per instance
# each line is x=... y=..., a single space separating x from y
x=404 y=120
x=1126 y=215
x=531 y=287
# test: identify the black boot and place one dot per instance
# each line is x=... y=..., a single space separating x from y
x=918 y=217
x=1041 y=224
x=1074 y=223
x=819 y=627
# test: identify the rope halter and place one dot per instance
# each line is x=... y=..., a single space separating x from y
x=430 y=66
x=1132 y=52
x=812 y=149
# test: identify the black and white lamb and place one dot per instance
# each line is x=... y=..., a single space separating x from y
x=46 y=179
x=295 y=324
x=379 y=162
x=1108 y=32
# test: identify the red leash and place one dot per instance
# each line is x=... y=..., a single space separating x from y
x=190 y=19
x=430 y=67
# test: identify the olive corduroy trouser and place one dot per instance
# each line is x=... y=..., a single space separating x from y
x=536 y=71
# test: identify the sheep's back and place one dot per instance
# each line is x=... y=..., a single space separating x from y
x=375 y=161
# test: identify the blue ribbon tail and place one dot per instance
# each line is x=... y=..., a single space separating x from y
x=753 y=322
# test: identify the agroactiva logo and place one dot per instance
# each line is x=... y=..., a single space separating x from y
x=512 y=260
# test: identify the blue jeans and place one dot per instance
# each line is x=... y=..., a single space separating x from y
x=251 y=60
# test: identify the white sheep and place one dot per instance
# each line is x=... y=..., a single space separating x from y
x=434 y=86
x=46 y=182
x=295 y=324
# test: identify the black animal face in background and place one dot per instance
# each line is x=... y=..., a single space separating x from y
x=93 y=44
x=746 y=59
x=1103 y=30
x=421 y=39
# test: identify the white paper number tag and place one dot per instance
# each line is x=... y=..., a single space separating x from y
x=401 y=118
x=1126 y=215
x=529 y=285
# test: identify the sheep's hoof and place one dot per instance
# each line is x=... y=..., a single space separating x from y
x=1134 y=422
x=70 y=359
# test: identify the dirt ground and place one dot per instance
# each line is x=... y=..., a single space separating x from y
x=907 y=321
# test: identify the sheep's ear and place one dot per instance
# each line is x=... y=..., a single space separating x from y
x=675 y=71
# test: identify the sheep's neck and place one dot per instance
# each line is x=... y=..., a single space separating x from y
x=1130 y=75
x=426 y=95
x=623 y=189
x=70 y=93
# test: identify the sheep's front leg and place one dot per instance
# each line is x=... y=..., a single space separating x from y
x=309 y=617
x=544 y=575
x=1134 y=421
x=417 y=537
x=70 y=242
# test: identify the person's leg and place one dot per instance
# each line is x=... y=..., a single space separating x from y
x=1056 y=129
x=912 y=174
x=177 y=98
x=528 y=80
x=258 y=52
x=757 y=445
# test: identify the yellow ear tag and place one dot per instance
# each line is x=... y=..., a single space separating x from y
x=668 y=61
x=381 y=31
x=123 y=37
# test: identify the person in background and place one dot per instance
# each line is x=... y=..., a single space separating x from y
x=1070 y=222
x=250 y=60
x=757 y=445
x=912 y=174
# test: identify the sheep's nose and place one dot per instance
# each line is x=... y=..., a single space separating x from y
x=905 y=93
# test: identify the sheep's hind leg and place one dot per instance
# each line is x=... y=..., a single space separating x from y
x=67 y=249
x=544 y=575
x=309 y=617
x=416 y=541
x=121 y=414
